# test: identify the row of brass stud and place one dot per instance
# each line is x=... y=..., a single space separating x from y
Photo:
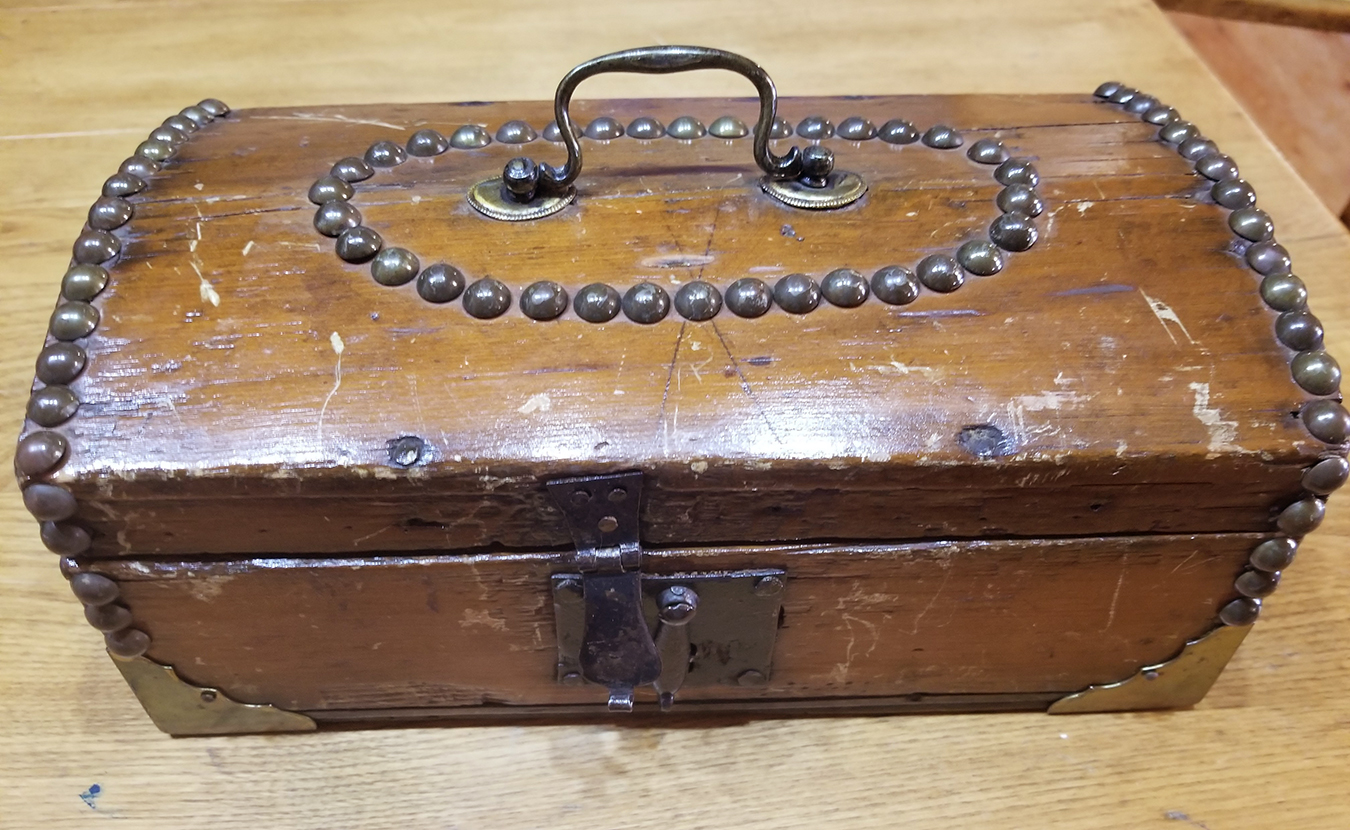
x=103 y=610
x=41 y=453
x=1312 y=368
x=429 y=142
x=1013 y=231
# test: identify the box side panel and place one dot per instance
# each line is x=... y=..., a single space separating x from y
x=1026 y=617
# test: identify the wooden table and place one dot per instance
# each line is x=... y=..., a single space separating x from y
x=84 y=81
x=1333 y=15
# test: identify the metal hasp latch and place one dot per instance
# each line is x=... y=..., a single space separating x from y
x=710 y=628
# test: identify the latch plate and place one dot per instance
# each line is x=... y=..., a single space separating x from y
x=731 y=637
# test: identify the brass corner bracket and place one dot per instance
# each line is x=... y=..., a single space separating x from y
x=1177 y=683
x=179 y=708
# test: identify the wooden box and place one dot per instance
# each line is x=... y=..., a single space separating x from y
x=1033 y=423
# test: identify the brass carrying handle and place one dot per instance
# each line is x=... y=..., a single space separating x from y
x=524 y=179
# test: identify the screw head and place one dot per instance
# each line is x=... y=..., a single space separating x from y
x=572 y=678
x=208 y=696
x=678 y=604
x=767 y=586
x=406 y=451
x=570 y=586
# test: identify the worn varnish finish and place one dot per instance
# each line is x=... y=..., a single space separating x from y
x=1127 y=357
x=1028 y=618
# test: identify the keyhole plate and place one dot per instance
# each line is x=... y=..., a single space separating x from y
x=733 y=633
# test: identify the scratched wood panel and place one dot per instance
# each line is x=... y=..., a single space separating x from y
x=1128 y=348
x=1005 y=617
x=938 y=503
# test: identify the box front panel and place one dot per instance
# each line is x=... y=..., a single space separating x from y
x=1020 y=617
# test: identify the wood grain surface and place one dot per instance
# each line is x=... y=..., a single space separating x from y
x=937 y=618
x=84 y=81
x=1125 y=358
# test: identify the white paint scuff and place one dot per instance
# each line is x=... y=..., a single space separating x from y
x=205 y=289
x=537 y=403
x=896 y=367
x=1115 y=597
x=1222 y=433
x=1166 y=315
x=335 y=340
x=484 y=618
x=1051 y=399
x=337 y=119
